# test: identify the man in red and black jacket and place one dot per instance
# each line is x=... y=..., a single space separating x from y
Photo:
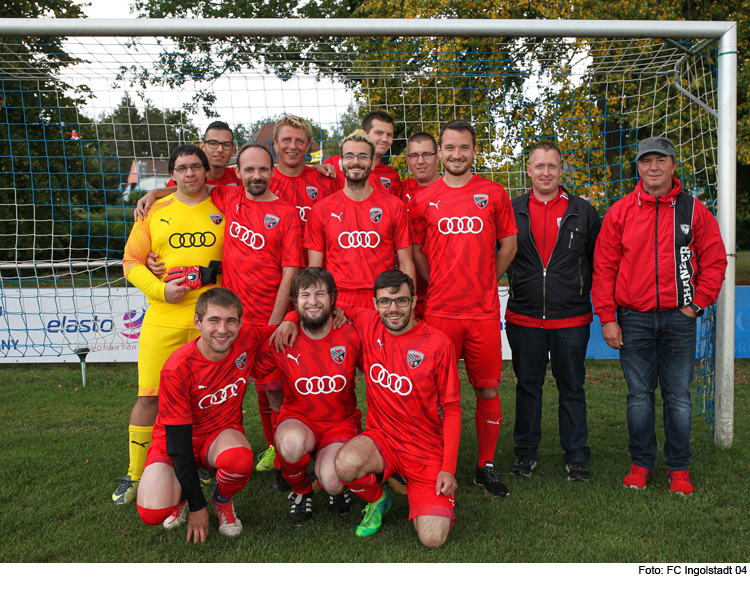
x=549 y=310
x=659 y=262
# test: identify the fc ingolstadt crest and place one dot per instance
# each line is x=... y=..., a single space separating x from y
x=338 y=354
x=312 y=192
x=414 y=358
x=270 y=221
x=376 y=214
x=481 y=200
x=241 y=360
x=386 y=182
x=215 y=218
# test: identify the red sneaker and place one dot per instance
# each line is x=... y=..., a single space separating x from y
x=679 y=482
x=637 y=477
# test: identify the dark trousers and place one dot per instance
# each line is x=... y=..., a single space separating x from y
x=566 y=350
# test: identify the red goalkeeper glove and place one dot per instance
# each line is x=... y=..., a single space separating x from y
x=195 y=276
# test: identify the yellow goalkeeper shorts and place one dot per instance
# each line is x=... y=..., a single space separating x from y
x=155 y=345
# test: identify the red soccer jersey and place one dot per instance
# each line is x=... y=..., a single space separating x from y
x=359 y=239
x=228 y=179
x=207 y=394
x=260 y=238
x=382 y=177
x=459 y=228
x=318 y=375
x=407 y=377
x=303 y=191
x=411 y=189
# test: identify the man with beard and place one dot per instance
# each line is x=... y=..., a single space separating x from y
x=466 y=225
x=320 y=409
x=358 y=231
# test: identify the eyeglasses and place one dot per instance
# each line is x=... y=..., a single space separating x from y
x=214 y=144
x=193 y=167
x=385 y=303
x=350 y=157
x=424 y=156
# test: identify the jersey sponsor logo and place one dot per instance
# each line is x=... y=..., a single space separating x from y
x=338 y=354
x=194 y=240
x=165 y=221
x=337 y=215
x=312 y=192
x=435 y=205
x=408 y=197
x=320 y=385
x=221 y=396
x=293 y=358
x=247 y=236
x=359 y=239
x=379 y=342
x=414 y=358
x=386 y=182
x=133 y=322
x=685 y=228
x=391 y=381
x=462 y=225
x=303 y=209
x=216 y=218
x=481 y=200
x=270 y=221
x=376 y=214
x=241 y=360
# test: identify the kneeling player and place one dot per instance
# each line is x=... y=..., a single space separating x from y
x=200 y=421
x=320 y=409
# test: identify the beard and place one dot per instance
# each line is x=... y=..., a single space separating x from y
x=257 y=187
x=313 y=324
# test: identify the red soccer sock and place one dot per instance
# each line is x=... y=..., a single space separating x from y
x=233 y=469
x=296 y=474
x=155 y=516
x=266 y=417
x=488 y=418
x=366 y=488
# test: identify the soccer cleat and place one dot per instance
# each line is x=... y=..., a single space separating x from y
x=229 y=524
x=340 y=503
x=637 y=477
x=523 y=466
x=301 y=508
x=486 y=477
x=205 y=476
x=679 y=482
x=265 y=459
x=279 y=484
x=178 y=516
x=397 y=484
x=126 y=491
x=374 y=513
x=577 y=471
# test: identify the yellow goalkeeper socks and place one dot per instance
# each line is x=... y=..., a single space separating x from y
x=140 y=440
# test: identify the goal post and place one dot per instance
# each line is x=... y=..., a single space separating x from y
x=643 y=61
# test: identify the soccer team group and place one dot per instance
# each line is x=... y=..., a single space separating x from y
x=294 y=277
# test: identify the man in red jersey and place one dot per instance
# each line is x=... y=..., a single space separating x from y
x=467 y=226
x=359 y=231
x=320 y=409
x=378 y=126
x=200 y=422
x=411 y=375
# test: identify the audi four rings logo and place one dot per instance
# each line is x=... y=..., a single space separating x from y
x=303 y=209
x=320 y=385
x=391 y=381
x=247 y=236
x=463 y=225
x=222 y=395
x=192 y=240
x=359 y=239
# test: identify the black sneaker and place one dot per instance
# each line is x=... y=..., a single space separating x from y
x=340 y=503
x=279 y=484
x=205 y=476
x=523 y=466
x=577 y=471
x=301 y=508
x=487 y=478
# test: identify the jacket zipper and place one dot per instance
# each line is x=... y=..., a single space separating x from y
x=656 y=254
x=580 y=276
x=570 y=244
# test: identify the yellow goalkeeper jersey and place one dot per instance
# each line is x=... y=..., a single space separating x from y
x=182 y=236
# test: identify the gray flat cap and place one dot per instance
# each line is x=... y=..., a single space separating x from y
x=656 y=145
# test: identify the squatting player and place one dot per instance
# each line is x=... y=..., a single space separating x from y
x=358 y=231
x=184 y=229
x=320 y=409
x=200 y=421
x=411 y=374
x=467 y=227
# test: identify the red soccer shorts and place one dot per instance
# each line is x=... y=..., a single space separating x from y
x=157 y=452
x=479 y=343
x=326 y=433
x=420 y=479
x=362 y=298
x=271 y=382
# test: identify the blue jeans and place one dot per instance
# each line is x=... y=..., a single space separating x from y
x=658 y=347
x=566 y=350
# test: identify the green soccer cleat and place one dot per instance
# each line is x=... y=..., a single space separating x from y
x=265 y=459
x=126 y=491
x=374 y=513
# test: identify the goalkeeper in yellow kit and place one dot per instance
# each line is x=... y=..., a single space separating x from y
x=186 y=230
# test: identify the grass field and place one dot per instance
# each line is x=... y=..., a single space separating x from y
x=62 y=446
x=742 y=271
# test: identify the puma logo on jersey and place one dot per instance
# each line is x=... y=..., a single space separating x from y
x=380 y=343
x=296 y=359
x=202 y=387
x=165 y=221
x=435 y=204
x=337 y=216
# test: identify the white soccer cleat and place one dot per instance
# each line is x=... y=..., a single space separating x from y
x=178 y=517
x=229 y=524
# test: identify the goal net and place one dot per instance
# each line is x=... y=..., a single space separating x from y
x=87 y=124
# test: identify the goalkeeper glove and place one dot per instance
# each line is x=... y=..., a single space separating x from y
x=195 y=276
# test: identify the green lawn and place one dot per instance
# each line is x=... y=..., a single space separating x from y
x=742 y=271
x=62 y=447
